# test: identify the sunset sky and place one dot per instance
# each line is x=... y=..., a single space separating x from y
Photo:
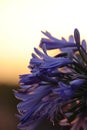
x=21 y=22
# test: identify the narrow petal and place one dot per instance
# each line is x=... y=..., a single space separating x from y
x=56 y=45
x=77 y=37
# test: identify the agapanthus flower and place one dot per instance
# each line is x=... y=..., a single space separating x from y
x=56 y=87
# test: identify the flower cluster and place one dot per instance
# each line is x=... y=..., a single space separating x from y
x=56 y=87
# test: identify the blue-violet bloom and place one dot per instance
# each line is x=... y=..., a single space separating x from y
x=56 y=87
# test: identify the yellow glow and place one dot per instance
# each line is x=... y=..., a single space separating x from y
x=21 y=22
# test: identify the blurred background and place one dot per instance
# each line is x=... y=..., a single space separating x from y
x=21 y=22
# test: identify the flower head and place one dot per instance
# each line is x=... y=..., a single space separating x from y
x=56 y=88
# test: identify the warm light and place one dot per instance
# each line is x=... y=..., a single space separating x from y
x=21 y=22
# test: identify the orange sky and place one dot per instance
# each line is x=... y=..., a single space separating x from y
x=21 y=22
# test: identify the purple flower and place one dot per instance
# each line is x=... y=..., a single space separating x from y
x=47 y=62
x=65 y=91
x=56 y=87
x=54 y=43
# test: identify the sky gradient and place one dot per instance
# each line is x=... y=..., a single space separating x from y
x=21 y=22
